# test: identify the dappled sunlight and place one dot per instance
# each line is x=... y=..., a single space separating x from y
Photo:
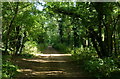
x=61 y=73
x=22 y=70
x=51 y=55
x=43 y=58
x=49 y=73
x=48 y=65
x=44 y=61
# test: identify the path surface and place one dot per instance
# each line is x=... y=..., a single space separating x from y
x=50 y=65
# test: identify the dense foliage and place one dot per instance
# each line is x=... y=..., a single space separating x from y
x=105 y=67
x=9 y=70
x=90 y=31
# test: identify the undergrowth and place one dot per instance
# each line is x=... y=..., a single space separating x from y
x=97 y=67
x=31 y=47
x=9 y=70
x=62 y=47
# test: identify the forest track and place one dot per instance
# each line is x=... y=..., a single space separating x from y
x=49 y=65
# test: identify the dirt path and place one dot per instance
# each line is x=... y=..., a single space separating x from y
x=50 y=65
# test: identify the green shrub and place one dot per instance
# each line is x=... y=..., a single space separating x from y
x=83 y=53
x=30 y=47
x=8 y=69
x=61 y=47
x=96 y=66
x=42 y=46
x=103 y=67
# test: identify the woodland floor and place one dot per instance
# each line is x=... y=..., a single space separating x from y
x=49 y=65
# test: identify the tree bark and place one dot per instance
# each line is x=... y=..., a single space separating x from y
x=10 y=28
x=23 y=40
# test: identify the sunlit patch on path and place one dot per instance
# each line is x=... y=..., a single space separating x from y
x=53 y=54
x=50 y=64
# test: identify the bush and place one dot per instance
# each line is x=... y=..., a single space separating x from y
x=42 y=47
x=30 y=47
x=96 y=66
x=83 y=53
x=61 y=47
x=103 y=67
x=8 y=69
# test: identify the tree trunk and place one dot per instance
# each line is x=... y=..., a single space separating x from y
x=61 y=32
x=10 y=28
x=18 y=38
x=23 y=40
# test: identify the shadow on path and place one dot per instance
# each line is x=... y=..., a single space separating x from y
x=49 y=65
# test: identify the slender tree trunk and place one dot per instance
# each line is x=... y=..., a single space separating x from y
x=18 y=38
x=23 y=40
x=10 y=28
x=115 y=48
x=94 y=39
x=61 y=32
x=96 y=47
